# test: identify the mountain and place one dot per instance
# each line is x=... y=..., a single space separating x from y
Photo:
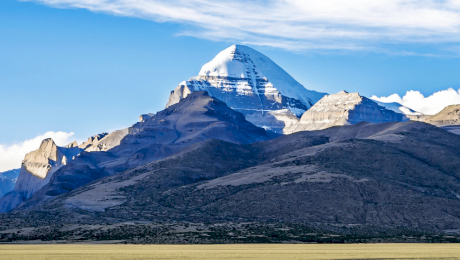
x=344 y=108
x=447 y=117
x=7 y=181
x=39 y=166
x=383 y=175
x=194 y=119
x=36 y=171
x=250 y=83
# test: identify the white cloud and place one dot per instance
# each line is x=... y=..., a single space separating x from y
x=297 y=24
x=428 y=105
x=12 y=156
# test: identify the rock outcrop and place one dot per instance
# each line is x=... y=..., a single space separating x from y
x=92 y=140
x=105 y=142
x=250 y=83
x=36 y=171
x=144 y=117
x=72 y=144
x=344 y=108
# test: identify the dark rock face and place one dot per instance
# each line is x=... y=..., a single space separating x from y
x=393 y=174
x=197 y=118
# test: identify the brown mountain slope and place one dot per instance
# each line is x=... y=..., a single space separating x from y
x=448 y=116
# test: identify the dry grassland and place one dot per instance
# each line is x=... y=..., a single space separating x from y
x=217 y=252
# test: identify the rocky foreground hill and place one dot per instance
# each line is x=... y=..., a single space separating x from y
x=379 y=174
x=377 y=182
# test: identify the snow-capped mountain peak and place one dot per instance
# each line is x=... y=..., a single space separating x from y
x=239 y=61
x=252 y=84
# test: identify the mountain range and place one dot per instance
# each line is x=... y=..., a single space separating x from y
x=384 y=174
x=243 y=142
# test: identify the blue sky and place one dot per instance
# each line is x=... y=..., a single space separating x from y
x=86 y=67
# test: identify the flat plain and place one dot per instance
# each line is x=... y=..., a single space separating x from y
x=217 y=252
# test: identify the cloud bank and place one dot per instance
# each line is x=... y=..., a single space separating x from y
x=12 y=156
x=297 y=24
x=428 y=105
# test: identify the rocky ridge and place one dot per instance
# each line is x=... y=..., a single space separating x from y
x=196 y=118
x=448 y=116
x=104 y=141
x=344 y=108
x=39 y=166
x=36 y=171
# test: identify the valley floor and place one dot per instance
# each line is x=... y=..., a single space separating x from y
x=217 y=252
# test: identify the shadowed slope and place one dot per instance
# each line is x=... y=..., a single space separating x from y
x=396 y=174
x=197 y=118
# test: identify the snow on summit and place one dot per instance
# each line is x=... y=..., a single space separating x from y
x=240 y=61
x=252 y=84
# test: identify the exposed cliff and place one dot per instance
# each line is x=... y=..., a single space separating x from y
x=36 y=171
